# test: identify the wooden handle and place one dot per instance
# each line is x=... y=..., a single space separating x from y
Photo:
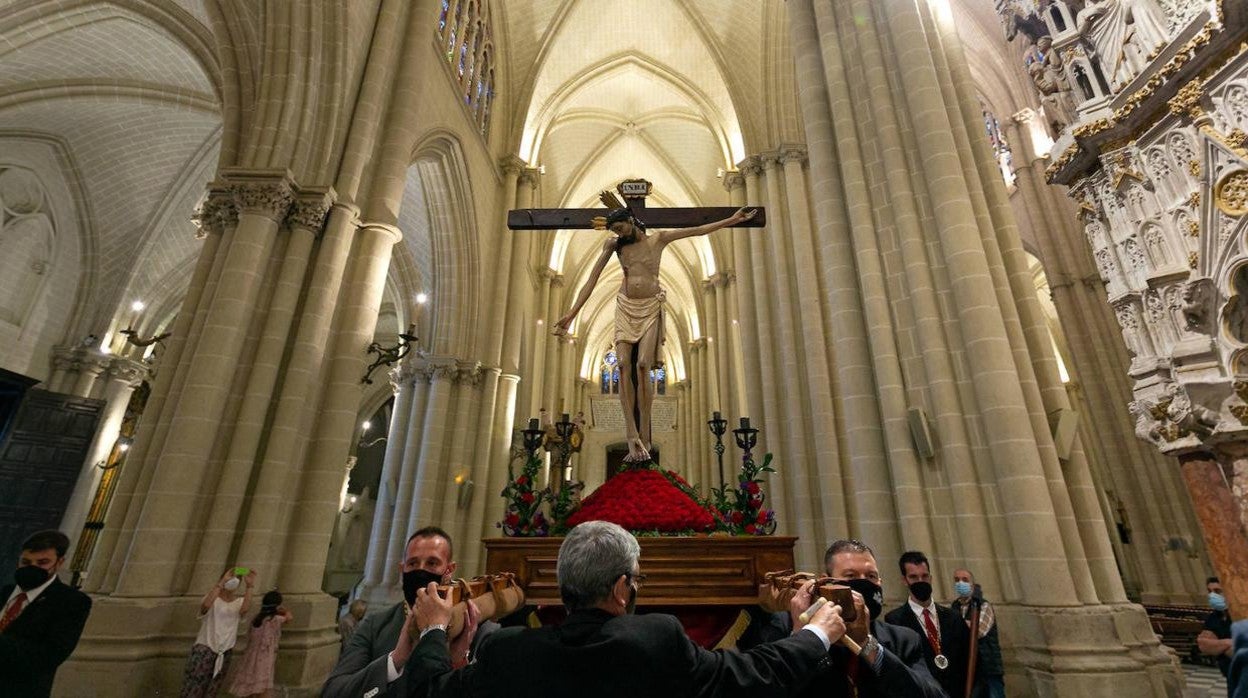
x=852 y=646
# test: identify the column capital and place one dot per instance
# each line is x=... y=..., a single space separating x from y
x=733 y=180
x=218 y=212
x=384 y=229
x=311 y=208
x=267 y=193
x=792 y=153
x=720 y=279
x=547 y=273
x=1025 y=115
x=512 y=165
x=468 y=373
x=771 y=160
x=127 y=370
x=697 y=344
x=529 y=176
x=751 y=166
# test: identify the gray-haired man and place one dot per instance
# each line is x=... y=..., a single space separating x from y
x=604 y=650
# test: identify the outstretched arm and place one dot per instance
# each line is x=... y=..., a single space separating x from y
x=741 y=215
x=608 y=247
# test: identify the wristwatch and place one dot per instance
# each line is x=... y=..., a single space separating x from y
x=869 y=647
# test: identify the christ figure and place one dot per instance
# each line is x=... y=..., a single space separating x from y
x=638 y=312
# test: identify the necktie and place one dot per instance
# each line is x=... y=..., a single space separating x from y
x=933 y=636
x=18 y=602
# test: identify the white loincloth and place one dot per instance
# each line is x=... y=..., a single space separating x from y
x=635 y=316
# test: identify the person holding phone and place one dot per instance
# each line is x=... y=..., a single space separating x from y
x=220 y=611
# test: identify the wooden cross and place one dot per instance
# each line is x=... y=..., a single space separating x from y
x=634 y=192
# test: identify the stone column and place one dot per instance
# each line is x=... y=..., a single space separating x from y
x=552 y=365
x=396 y=536
x=306 y=221
x=263 y=200
x=122 y=377
x=537 y=358
x=387 y=488
x=433 y=442
x=710 y=330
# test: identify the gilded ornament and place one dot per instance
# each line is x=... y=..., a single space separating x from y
x=1230 y=194
x=1240 y=412
x=1192 y=259
x=1194 y=200
x=1091 y=129
x=1193 y=168
x=1186 y=102
x=1193 y=229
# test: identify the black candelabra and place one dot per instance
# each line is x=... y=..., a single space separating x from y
x=747 y=438
x=533 y=437
x=388 y=356
x=718 y=425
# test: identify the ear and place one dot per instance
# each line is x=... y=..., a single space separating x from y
x=450 y=571
x=619 y=590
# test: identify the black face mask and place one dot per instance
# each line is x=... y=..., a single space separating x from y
x=921 y=591
x=417 y=579
x=872 y=594
x=29 y=577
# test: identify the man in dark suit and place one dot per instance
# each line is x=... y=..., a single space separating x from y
x=891 y=663
x=41 y=618
x=947 y=638
x=603 y=650
x=373 y=662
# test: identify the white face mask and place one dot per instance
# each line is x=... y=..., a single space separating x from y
x=230 y=584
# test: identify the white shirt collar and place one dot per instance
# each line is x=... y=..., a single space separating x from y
x=918 y=610
x=30 y=595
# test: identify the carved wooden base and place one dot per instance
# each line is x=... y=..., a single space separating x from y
x=680 y=571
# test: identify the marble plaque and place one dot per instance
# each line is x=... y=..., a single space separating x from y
x=608 y=415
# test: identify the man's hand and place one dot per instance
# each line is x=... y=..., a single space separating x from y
x=407 y=640
x=802 y=599
x=561 y=327
x=743 y=214
x=431 y=608
x=250 y=579
x=1210 y=645
x=830 y=622
x=463 y=642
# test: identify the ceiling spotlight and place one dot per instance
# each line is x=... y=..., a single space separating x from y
x=138 y=306
x=422 y=298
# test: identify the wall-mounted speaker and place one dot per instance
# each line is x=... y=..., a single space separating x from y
x=921 y=432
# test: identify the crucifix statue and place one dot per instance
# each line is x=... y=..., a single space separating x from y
x=639 y=301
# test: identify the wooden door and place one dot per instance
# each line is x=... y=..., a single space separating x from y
x=40 y=459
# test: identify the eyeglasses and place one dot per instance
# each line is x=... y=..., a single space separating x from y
x=638 y=579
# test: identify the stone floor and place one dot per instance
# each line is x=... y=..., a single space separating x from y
x=1203 y=682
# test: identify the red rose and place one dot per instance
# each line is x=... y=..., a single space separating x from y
x=749 y=528
x=751 y=487
x=512 y=519
x=522 y=480
x=736 y=517
x=762 y=518
x=527 y=497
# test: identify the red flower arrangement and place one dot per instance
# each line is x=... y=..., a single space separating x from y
x=523 y=515
x=645 y=500
x=740 y=511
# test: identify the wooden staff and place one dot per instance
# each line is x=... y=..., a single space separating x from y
x=977 y=599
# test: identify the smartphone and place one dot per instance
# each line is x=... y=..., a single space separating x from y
x=241 y=571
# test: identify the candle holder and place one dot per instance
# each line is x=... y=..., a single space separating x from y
x=388 y=356
x=533 y=437
x=747 y=438
x=718 y=426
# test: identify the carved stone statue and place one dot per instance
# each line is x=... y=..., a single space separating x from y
x=1125 y=33
x=1050 y=80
